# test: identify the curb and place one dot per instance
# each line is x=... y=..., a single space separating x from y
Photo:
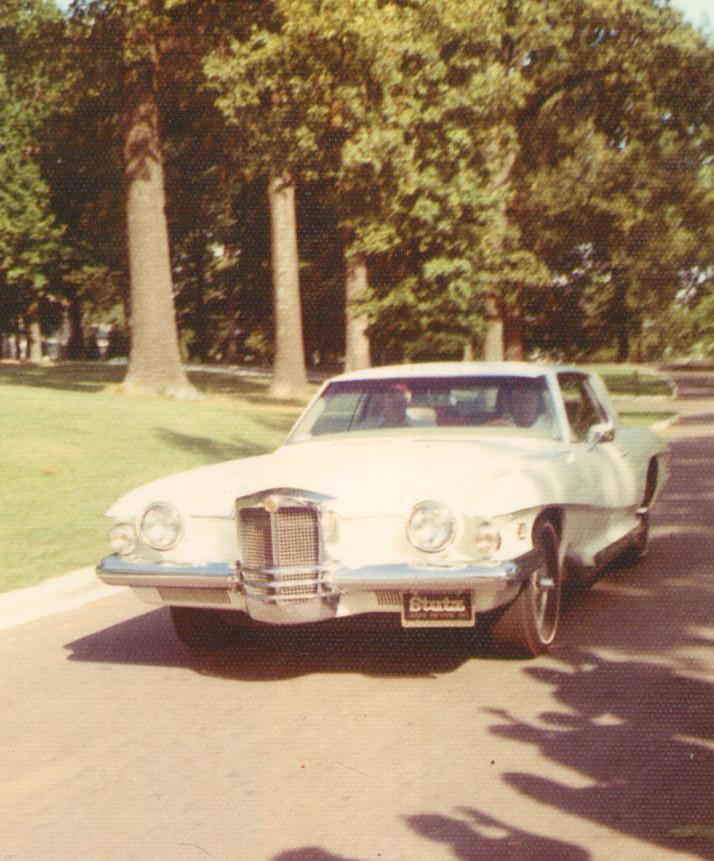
x=52 y=596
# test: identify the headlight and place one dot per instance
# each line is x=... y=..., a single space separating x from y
x=486 y=540
x=122 y=538
x=431 y=526
x=161 y=526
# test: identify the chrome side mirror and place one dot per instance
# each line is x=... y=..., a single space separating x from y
x=601 y=432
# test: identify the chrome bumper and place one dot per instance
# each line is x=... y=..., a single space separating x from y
x=119 y=571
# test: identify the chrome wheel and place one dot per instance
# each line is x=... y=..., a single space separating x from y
x=529 y=624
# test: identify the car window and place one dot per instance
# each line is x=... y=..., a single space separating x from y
x=508 y=405
x=581 y=406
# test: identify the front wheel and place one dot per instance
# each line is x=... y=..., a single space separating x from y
x=199 y=628
x=529 y=624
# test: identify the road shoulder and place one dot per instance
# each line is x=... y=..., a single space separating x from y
x=52 y=596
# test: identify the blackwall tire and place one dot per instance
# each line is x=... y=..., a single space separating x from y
x=529 y=624
x=199 y=628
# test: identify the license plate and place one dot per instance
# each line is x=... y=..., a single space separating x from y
x=437 y=609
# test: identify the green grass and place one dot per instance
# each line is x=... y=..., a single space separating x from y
x=72 y=444
x=633 y=419
x=633 y=380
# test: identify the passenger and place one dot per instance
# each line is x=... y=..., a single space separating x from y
x=521 y=406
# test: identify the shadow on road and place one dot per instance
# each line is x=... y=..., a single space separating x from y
x=633 y=680
x=641 y=734
x=475 y=836
x=482 y=837
x=282 y=653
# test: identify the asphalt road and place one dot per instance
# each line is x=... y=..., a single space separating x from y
x=117 y=744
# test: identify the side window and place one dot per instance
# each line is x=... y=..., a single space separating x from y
x=582 y=408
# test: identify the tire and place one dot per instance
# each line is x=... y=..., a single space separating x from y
x=529 y=624
x=642 y=539
x=199 y=628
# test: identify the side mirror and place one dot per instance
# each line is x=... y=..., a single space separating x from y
x=602 y=432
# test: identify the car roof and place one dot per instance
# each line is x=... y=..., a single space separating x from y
x=426 y=370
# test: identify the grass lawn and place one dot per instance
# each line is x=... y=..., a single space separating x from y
x=73 y=443
x=633 y=380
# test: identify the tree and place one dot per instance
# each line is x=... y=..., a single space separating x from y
x=132 y=36
x=259 y=94
x=31 y=245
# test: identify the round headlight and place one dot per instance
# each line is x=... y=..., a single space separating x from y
x=161 y=526
x=486 y=540
x=122 y=538
x=431 y=526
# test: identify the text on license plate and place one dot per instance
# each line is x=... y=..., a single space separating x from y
x=434 y=609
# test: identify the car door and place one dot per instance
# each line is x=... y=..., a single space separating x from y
x=604 y=492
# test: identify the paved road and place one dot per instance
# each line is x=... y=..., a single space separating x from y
x=115 y=744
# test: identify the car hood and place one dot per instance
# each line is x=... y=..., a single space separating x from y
x=369 y=477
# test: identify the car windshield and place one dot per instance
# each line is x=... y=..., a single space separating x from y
x=492 y=405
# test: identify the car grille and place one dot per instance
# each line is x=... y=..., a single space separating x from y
x=281 y=554
x=188 y=594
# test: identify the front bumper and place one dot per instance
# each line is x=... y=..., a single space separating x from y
x=334 y=590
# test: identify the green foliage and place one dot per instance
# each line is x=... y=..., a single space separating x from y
x=30 y=238
x=553 y=161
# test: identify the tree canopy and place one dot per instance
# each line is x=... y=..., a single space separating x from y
x=494 y=177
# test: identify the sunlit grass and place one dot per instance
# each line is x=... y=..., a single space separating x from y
x=72 y=444
x=633 y=380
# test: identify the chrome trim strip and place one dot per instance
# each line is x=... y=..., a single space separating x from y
x=123 y=571
x=435 y=579
x=283 y=497
x=293 y=570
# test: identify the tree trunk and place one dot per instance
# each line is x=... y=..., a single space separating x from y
x=501 y=157
x=201 y=344
x=75 y=344
x=622 y=322
x=493 y=342
x=357 y=352
x=34 y=335
x=154 y=358
x=623 y=344
x=289 y=375
x=513 y=333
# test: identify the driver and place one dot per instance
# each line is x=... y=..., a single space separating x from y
x=521 y=406
x=394 y=406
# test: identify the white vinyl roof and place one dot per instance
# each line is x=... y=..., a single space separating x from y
x=427 y=370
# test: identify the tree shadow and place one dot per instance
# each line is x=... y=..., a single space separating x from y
x=475 y=836
x=483 y=837
x=642 y=735
x=369 y=646
x=210 y=448
x=87 y=377
x=310 y=853
x=639 y=730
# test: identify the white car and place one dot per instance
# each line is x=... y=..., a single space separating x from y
x=441 y=493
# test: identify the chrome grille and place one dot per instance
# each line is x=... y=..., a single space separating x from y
x=296 y=540
x=389 y=598
x=255 y=537
x=280 y=553
x=188 y=594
